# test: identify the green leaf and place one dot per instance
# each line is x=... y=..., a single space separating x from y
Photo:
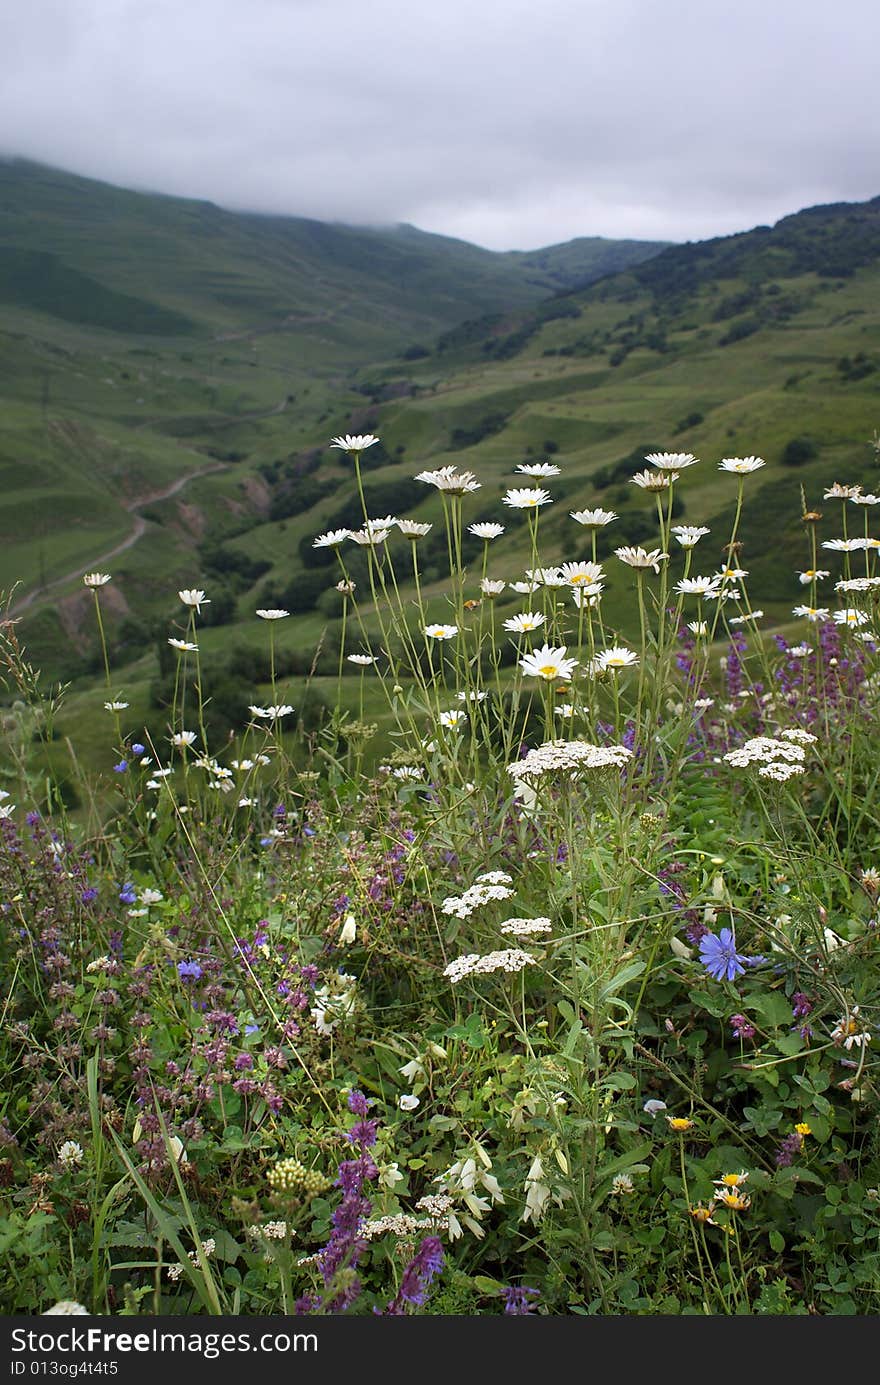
x=772 y=1008
x=777 y=1241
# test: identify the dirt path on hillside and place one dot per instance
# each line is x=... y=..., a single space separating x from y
x=140 y=524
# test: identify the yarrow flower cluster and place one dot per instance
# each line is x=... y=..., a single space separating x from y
x=778 y=758
x=474 y=964
x=572 y=758
x=480 y=893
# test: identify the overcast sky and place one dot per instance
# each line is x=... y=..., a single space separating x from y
x=511 y=123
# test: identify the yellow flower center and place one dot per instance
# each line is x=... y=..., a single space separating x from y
x=549 y=670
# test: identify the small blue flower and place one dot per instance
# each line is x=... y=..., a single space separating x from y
x=137 y=748
x=128 y=895
x=720 y=958
x=189 y=971
x=121 y=767
x=88 y=895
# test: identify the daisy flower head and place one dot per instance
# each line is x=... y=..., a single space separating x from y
x=538 y=469
x=332 y=539
x=671 y=461
x=839 y=492
x=115 y=706
x=526 y=498
x=362 y=659
x=413 y=528
x=639 y=558
x=615 y=658
x=369 y=538
x=584 y=597
x=548 y=663
x=581 y=574
x=186 y=645
x=654 y=480
x=190 y=597
x=450 y=480
x=454 y=719
x=844 y=545
x=96 y=579
x=491 y=588
x=698 y=627
x=441 y=632
x=181 y=739
x=865 y=499
x=813 y=613
x=689 y=534
x=486 y=530
x=526 y=620
x=851 y=616
x=354 y=442
x=731 y=1180
x=698 y=586
x=272 y=614
x=273 y=713
x=741 y=466
x=593 y=519
x=545 y=576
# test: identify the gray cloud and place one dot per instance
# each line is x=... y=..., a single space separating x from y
x=506 y=122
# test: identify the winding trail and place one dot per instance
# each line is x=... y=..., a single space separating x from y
x=42 y=593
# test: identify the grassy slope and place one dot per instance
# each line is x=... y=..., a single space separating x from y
x=726 y=348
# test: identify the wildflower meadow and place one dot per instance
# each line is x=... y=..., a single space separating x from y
x=538 y=975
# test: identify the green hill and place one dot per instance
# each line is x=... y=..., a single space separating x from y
x=203 y=459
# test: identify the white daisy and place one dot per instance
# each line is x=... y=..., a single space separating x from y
x=272 y=614
x=614 y=658
x=96 y=579
x=654 y=480
x=741 y=466
x=194 y=598
x=332 y=539
x=538 y=469
x=486 y=530
x=593 y=519
x=441 y=632
x=526 y=620
x=354 y=442
x=638 y=558
x=450 y=480
x=548 y=663
x=689 y=534
x=671 y=461
x=526 y=498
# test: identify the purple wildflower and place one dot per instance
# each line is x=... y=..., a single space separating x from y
x=517 y=1299
x=801 y=1005
x=791 y=1145
x=358 y=1103
x=741 y=1027
x=121 y=767
x=127 y=894
x=189 y=971
x=416 y=1279
x=88 y=895
x=137 y=748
